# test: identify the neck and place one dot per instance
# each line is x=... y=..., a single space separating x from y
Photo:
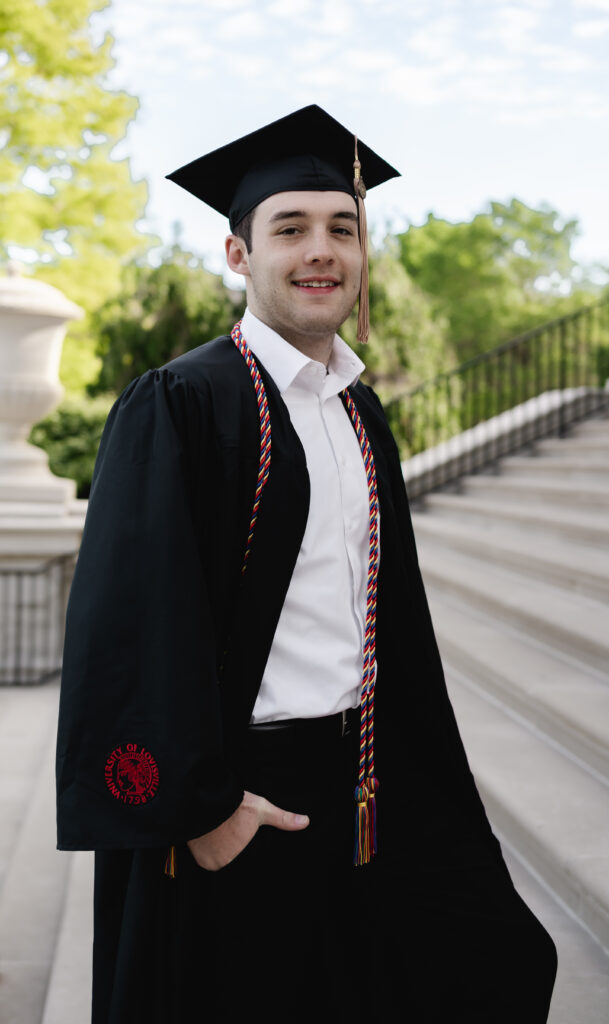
x=319 y=349
x=314 y=346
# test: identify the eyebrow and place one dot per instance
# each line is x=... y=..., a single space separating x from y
x=291 y=214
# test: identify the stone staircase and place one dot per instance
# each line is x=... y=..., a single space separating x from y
x=516 y=566
x=517 y=571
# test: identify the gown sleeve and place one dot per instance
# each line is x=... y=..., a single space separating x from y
x=140 y=758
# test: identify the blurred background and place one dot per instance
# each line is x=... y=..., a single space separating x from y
x=495 y=113
x=489 y=347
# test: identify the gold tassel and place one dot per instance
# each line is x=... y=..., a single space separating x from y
x=170 y=862
x=363 y=315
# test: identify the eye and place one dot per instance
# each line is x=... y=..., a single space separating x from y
x=288 y=231
x=340 y=229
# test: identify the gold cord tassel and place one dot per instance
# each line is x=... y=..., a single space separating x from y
x=363 y=315
x=170 y=862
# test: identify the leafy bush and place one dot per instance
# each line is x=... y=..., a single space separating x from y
x=70 y=436
x=160 y=313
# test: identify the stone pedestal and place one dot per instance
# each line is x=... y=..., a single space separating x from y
x=39 y=515
x=40 y=519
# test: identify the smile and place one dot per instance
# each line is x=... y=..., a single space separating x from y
x=315 y=284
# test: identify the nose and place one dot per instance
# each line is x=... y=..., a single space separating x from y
x=320 y=248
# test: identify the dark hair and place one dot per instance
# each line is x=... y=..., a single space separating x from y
x=244 y=229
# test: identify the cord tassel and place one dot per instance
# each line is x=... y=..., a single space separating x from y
x=170 y=862
x=372 y=787
x=362 y=827
x=363 y=313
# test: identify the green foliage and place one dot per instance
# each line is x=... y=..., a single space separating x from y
x=495 y=276
x=409 y=341
x=63 y=197
x=70 y=436
x=159 y=313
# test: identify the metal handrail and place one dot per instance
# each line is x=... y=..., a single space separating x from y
x=571 y=351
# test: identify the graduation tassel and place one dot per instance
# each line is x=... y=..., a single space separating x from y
x=362 y=826
x=170 y=862
x=363 y=313
x=372 y=787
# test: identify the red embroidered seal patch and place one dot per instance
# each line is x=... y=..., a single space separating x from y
x=131 y=774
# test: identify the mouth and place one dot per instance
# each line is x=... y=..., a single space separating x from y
x=317 y=283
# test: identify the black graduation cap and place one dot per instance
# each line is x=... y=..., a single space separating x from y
x=303 y=152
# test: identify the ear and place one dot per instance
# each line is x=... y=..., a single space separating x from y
x=237 y=255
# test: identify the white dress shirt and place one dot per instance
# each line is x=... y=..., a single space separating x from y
x=315 y=663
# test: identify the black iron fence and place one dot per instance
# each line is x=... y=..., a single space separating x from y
x=32 y=616
x=571 y=352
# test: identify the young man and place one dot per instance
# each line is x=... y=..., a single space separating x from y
x=246 y=649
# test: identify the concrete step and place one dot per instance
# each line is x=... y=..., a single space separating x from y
x=511 y=487
x=597 y=446
x=565 y=467
x=573 y=567
x=554 y=812
x=581 y=992
x=574 y=624
x=557 y=695
x=597 y=427
x=583 y=527
x=32 y=900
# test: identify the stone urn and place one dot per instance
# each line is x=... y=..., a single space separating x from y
x=33 y=319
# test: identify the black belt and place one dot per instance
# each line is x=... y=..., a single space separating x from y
x=343 y=723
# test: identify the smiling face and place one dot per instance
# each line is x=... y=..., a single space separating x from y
x=303 y=272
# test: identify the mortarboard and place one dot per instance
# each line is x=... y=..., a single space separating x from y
x=305 y=151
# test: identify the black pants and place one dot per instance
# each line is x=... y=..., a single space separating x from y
x=292 y=929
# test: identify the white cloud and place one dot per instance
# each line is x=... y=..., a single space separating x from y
x=312 y=51
x=291 y=10
x=386 y=8
x=590 y=105
x=245 y=65
x=569 y=63
x=336 y=19
x=596 y=5
x=371 y=60
x=413 y=85
x=244 y=25
x=199 y=72
x=593 y=29
x=495 y=65
x=435 y=40
x=180 y=36
x=326 y=77
x=512 y=27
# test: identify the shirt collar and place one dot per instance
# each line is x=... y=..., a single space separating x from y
x=286 y=363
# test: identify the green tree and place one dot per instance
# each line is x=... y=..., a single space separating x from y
x=159 y=313
x=504 y=271
x=408 y=342
x=63 y=196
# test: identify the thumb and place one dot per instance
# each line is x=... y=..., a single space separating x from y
x=286 y=820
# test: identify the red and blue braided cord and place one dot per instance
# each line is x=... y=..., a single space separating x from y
x=367 y=784
x=265 y=432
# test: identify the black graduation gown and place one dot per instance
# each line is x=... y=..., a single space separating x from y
x=166 y=641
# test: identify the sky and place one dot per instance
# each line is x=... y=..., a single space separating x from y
x=471 y=100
